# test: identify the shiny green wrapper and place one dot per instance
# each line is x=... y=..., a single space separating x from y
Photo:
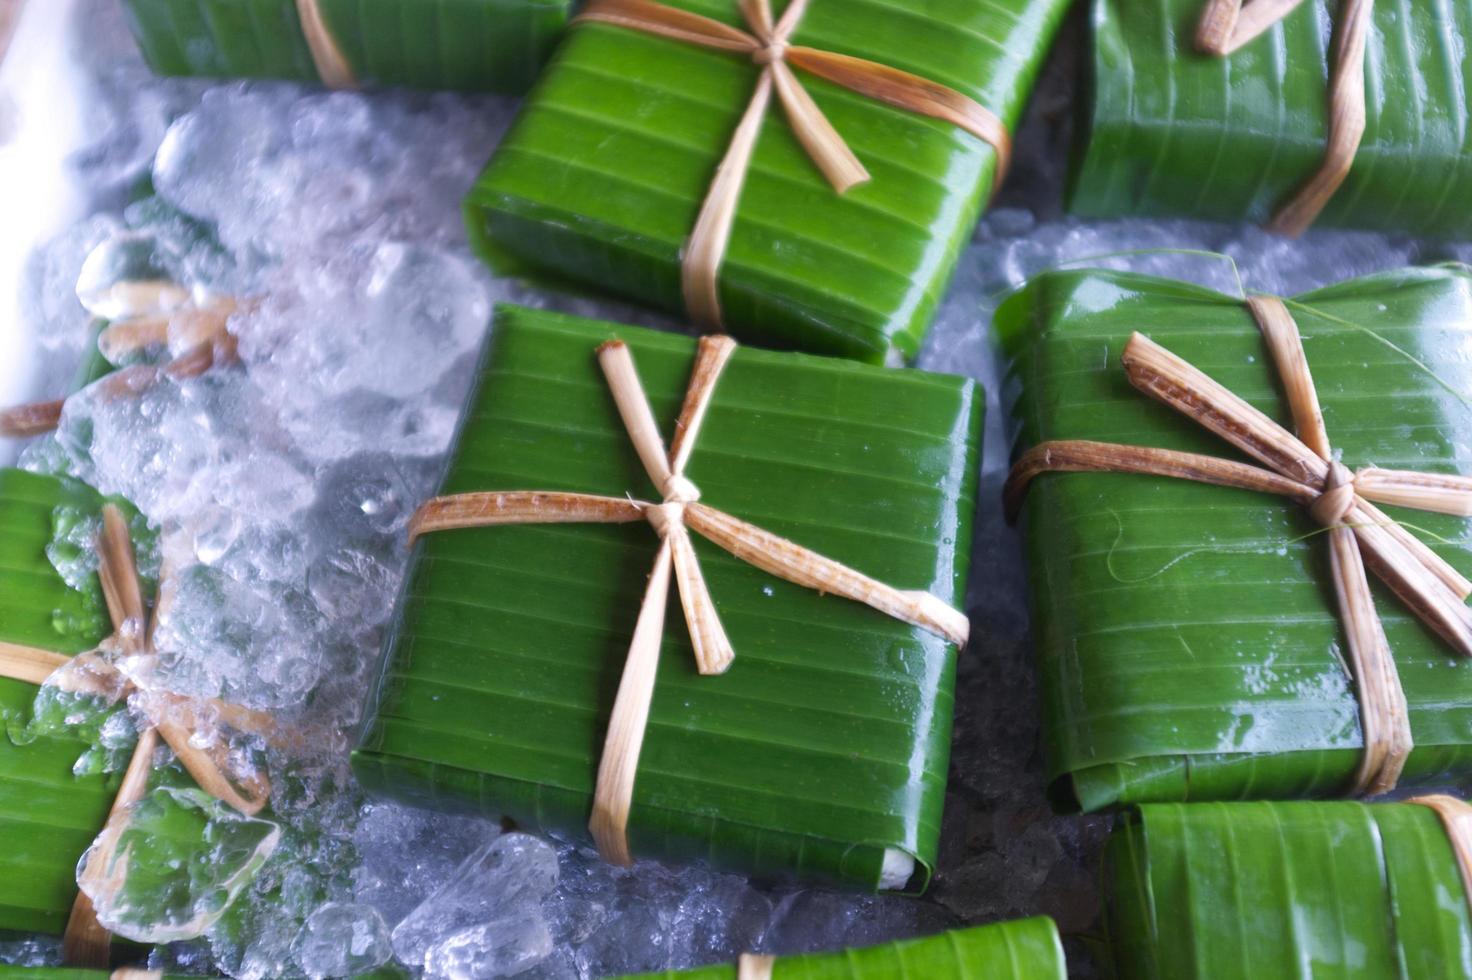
x=469 y=45
x=826 y=743
x=1188 y=641
x=1020 y=950
x=1167 y=130
x=601 y=178
x=1352 y=891
x=48 y=815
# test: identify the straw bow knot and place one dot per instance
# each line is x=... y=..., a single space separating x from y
x=1338 y=499
x=768 y=44
x=679 y=513
x=1302 y=468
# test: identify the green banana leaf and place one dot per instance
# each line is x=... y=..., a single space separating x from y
x=1349 y=891
x=601 y=177
x=470 y=45
x=188 y=855
x=1166 y=130
x=48 y=814
x=824 y=748
x=1017 y=950
x=1188 y=644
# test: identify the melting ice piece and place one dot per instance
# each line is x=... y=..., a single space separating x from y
x=175 y=864
x=502 y=947
x=341 y=939
x=486 y=920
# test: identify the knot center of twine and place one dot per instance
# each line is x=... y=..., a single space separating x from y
x=678 y=491
x=774 y=50
x=1337 y=500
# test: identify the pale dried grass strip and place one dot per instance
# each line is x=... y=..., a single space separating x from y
x=1226 y=25
x=755 y=966
x=332 y=64
x=705 y=250
x=499 y=507
x=1086 y=456
x=25 y=421
x=118 y=340
x=1346 y=123
x=711 y=355
x=911 y=93
x=633 y=408
x=1440 y=493
x=1456 y=817
x=613 y=792
x=85 y=942
x=793 y=563
x=118 y=572
x=28 y=664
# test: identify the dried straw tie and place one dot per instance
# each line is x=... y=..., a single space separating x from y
x=332 y=64
x=1456 y=817
x=755 y=966
x=158 y=313
x=673 y=519
x=174 y=718
x=1303 y=469
x=768 y=45
x=1226 y=25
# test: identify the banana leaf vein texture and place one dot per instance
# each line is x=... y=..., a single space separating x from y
x=1343 y=890
x=1020 y=950
x=1166 y=130
x=601 y=177
x=48 y=814
x=825 y=746
x=469 y=45
x=1188 y=642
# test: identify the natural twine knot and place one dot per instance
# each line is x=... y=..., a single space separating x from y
x=769 y=52
x=678 y=489
x=1338 y=498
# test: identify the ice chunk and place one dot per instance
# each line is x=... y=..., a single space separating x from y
x=504 y=946
x=490 y=906
x=341 y=939
x=173 y=865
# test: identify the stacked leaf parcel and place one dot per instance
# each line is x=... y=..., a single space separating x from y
x=1248 y=890
x=532 y=673
x=468 y=45
x=1019 y=950
x=653 y=161
x=1342 y=112
x=1205 y=641
x=170 y=837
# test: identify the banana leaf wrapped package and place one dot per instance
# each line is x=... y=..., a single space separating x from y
x=466 y=45
x=1018 y=950
x=651 y=160
x=167 y=847
x=1204 y=641
x=1346 y=113
x=822 y=750
x=1334 y=889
